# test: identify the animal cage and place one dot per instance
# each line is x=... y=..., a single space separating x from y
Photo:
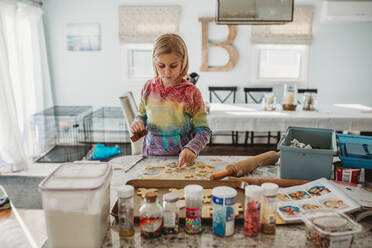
x=60 y=134
x=107 y=126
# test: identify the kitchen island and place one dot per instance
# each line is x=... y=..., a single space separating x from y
x=289 y=235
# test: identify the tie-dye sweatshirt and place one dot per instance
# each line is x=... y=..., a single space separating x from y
x=175 y=118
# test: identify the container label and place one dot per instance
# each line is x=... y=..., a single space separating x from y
x=193 y=220
x=222 y=201
x=169 y=219
x=151 y=225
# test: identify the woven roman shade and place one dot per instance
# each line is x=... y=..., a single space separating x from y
x=300 y=31
x=142 y=24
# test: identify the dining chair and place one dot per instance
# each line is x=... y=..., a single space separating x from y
x=129 y=108
x=213 y=91
x=255 y=95
x=223 y=94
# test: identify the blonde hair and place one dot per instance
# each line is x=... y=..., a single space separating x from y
x=171 y=43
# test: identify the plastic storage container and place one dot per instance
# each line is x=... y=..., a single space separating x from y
x=76 y=203
x=353 y=161
x=223 y=200
x=330 y=229
x=308 y=164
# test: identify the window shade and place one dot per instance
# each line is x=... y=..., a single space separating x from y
x=142 y=24
x=300 y=31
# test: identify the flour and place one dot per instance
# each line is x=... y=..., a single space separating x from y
x=76 y=229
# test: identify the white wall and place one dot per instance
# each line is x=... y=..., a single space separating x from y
x=340 y=55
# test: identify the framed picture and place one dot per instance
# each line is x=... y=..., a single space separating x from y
x=83 y=37
x=254 y=11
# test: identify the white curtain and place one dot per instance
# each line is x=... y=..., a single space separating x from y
x=24 y=79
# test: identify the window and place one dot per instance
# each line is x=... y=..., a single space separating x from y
x=139 y=61
x=283 y=63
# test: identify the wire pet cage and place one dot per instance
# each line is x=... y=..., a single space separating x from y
x=107 y=126
x=60 y=134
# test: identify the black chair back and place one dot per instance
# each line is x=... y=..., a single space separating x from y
x=231 y=91
x=256 y=93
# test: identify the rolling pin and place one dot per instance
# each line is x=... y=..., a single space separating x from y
x=246 y=166
x=278 y=181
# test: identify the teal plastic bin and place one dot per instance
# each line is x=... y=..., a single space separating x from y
x=307 y=164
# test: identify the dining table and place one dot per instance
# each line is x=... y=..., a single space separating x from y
x=252 y=117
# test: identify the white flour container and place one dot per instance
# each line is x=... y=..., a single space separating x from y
x=76 y=202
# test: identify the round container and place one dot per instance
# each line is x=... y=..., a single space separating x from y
x=170 y=213
x=252 y=210
x=126 y=210
x=151 y=217
x=223 y=199
x=193 y=197
x=270 y=191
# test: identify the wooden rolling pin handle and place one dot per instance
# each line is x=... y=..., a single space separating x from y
x=222 y=174
x=279 y=182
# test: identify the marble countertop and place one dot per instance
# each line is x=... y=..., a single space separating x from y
x=289 y=235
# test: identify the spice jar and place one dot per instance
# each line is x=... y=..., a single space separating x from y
x=170 y=213
x=223 y=199
x=151 y=216
x=193 y=197
x=125 y=212
x=252 y=210
x=270 y=191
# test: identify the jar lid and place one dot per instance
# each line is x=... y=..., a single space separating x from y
x=151 y=196
x=170 y=197
x=253 y=191
x=193 y=189
x=125 y=191
x=330 y=223
x=224 y=192
x=270 y=189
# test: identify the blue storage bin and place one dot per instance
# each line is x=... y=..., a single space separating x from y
x=307 y=164
x=350 y=161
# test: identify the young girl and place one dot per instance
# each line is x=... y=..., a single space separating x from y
x=171 y=108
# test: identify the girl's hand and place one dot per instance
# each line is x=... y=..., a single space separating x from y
x=186 y=156
x=137 y=126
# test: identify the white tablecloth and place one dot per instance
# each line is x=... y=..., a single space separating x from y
x=251 y=117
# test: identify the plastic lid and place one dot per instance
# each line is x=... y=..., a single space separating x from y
x=224 y=192
x=270 y=189
x=170 y=197
x=125 y=191
x=193 y=190
x=331 y=223
x=253 y=191
x=80 y=175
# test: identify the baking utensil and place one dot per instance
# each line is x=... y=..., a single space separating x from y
x=246 y=166
x=278 y=181
x=134 y=163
